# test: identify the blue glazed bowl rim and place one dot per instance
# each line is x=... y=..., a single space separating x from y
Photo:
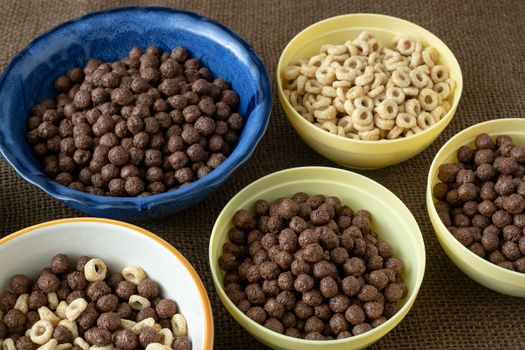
x=236 y=159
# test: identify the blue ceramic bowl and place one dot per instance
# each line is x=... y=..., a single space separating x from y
x=108 y=36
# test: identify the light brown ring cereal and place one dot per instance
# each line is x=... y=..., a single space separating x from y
x=313 y=86
x=369 y=135
x=428 y=99
x=326 y=113
x=384 y=124
x=442 y=89
x=138 y=302
x=395 y=94
x=394 y=133
x=425 y=120
x=21 y=303
x=364 y=102
x=418 y=78
x=405 y=120
x=388 y=109
x=75 y=309
x=95 y=270
x=308 y=71
x=41 y=332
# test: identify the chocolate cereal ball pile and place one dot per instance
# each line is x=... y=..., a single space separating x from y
x=481 y=200
x=309 y=267
x=152 y=122
x=78 y=306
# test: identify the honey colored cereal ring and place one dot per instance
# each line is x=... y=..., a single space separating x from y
x=364 y=102
x=291 y=72
x=326 y=113
x=41 y=332
x=406 y=45
x=413 y=107
x=388 y=109
x=384 y=124
x=369 y=135
x=330 y=127
x=442 y=89
x=134 y=274
x=428 y=99
x=325 y=75
x=308 y=71
x=405 y=120
x=425 y=120
x=439 y=73
x=396 y=94
x=362 y=119
x=418 y=78
x=313 y=86
x=395 y=132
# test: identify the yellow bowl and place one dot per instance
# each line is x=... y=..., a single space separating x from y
x=391 y=219
x=358 y=153
x=480 y=270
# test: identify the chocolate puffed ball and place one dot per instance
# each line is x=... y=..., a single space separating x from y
x=21 y=284
x=109 y=321
x=62 y=334
x=14 y=319
x=126 y=339
x=48 y=283
x=25 y=343
x=149 y=335
x=148 y=289
x=166 y=308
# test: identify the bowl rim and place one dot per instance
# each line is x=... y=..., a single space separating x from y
x=482 y=264
x=202 y=294
x=226 y=300
x=217 y=176
x=445 y=119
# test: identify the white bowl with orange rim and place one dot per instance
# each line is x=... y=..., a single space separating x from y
x=118 y=244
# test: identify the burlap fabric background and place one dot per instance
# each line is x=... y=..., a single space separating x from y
x=451 y=311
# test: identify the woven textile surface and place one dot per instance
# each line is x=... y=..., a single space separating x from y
x=451 y=311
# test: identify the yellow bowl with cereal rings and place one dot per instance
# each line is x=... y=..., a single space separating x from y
x=391 y=219
x=480 y=270
x=350 y=152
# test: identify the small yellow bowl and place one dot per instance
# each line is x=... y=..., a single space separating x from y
x=480 y=270
x=358 y=153
x=390 y=217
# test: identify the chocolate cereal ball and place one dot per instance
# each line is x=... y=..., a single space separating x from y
x=21 y=284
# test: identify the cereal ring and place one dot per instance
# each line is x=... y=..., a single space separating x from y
x=442 y=89
x=364 y=35
x=349 y=107
x=157 y=346
x=345 y=73
x=61 y=309
x=418 y=78
x=315 y=60
x=405 y=120
x=341 y=93
x=392 y=66
x=330 y=127
x=379 y=98
x=425 y=120
x=346 y=123
x=438 y=113
x=439 y=73
x=297 y=62
x=338 y=105
x=400 y=78
x=353 y=136
x=384 y=124
x=410 y=91
x=45 y=314
x=396 y=94
x=363 y=49
x=292 y=85
x=134 y=274
x=178 y=325
x=294 y=98
x=376 y=91
x=409 y=132
x=388 y=109
x=338 y=59
x=95 y=270
x=430 y=56
x=308 y=71
x=336 y=49
x=322 y=101
x=416 y=129
x=366 y=78
x=416 y=59
x=21 y=303
x=167 y=336
x=341 y=84
x=395 y=132
x=327 y=61
x=41 y=332
x=301 y=84
x=313 y=86
x=413 y=107
x=374 y=58
x=71 y=326
x=355 y=63
x=300 y=109
x=370 y=135
x=362 y=119
x=52 y=300
x=81 y=343
x=127 y=324
x=340 y=131
x=76 y=308
x=291 y=72
x=326 y=113
x=364 y=102
x=146 y=323
x=429 y=99
x=452 y=84
x=379 y=80
x=325 y=75
x=373 y=46
x=380 y=68
x=308 y=116
x=446 y=105
x=355 y=92
x=138 y=303
x=406 y=45
x=328 y=91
